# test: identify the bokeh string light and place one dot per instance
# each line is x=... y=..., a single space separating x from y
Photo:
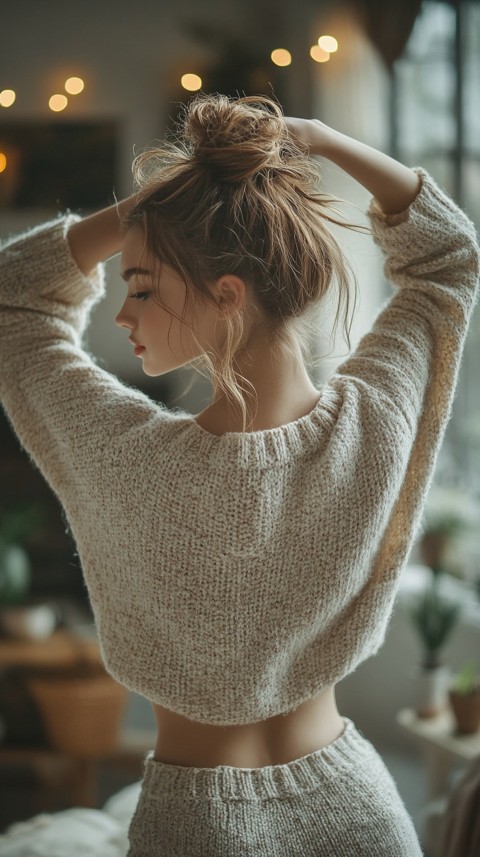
x=191 y=82
x=7 y=97
x=325 y=46
x=57 y=102
x=281 y=57
x=74 y=85
x=328 y=44
x=318 y=54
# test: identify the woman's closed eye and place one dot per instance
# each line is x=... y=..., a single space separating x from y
x=141 y=296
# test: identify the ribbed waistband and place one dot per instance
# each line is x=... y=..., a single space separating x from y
x=225 y=782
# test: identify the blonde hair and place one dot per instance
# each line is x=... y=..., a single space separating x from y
x=234 y=193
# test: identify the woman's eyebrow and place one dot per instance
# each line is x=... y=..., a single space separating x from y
x=125 y=275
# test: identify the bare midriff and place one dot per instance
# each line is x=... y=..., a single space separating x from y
x=278 y=740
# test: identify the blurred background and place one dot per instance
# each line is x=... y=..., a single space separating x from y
x=83 y=88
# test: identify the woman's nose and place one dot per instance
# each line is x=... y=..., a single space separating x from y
x=121 y=319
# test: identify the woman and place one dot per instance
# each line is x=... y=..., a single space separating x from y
x=242 y=561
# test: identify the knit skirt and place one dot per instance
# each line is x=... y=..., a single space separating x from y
x=339 y=801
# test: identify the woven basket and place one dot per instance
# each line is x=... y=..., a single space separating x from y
x=81 y=716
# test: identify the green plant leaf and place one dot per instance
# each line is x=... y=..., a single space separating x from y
x=466 y=680
x=17 y=524
x=434 y=618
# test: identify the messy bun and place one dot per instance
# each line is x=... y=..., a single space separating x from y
x=232 y=192
x=231 y=140
x=236 y=140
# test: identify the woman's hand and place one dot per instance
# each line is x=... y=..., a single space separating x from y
x=314 y=134
x=393 y=185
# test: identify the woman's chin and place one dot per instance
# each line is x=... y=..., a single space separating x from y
x=154 y=372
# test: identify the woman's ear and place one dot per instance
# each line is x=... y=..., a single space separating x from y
x=230 y=293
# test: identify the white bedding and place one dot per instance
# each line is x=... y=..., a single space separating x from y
x=76 y=832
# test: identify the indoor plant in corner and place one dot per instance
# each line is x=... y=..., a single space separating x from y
x=464 y=698
x=434 y=618
x=451 y=517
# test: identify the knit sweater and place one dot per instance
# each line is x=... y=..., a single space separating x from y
x=234 y=577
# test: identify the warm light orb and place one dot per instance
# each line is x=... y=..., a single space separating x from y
x=74 y=85
x=3 y=162
x=192 y=82
x=7 y=97
x=57 y=103
x=318 y=54
x=328 y=43
x=280 y=56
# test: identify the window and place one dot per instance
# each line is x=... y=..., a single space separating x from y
x=437 y=125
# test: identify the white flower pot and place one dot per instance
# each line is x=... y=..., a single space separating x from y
x=29 y=622
x=430 y=690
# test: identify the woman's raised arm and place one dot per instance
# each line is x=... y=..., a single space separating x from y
x=98 y=236
x=393 y=185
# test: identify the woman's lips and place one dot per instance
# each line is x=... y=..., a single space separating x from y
x=138 y=349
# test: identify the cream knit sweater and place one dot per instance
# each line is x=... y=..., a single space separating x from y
x=234 y=577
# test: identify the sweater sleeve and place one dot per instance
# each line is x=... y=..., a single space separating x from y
x=63 y=407
x=412 y=353
x=408 y=362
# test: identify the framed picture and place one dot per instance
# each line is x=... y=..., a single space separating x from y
x=57 y=164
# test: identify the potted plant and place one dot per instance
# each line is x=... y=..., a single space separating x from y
x=434 y=618
x=450 y=516
x=464 y=698
x=18 y=618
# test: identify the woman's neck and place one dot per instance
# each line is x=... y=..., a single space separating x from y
x=283 y=387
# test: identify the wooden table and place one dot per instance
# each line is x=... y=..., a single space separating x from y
x=64 y=649
x=440 y=746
